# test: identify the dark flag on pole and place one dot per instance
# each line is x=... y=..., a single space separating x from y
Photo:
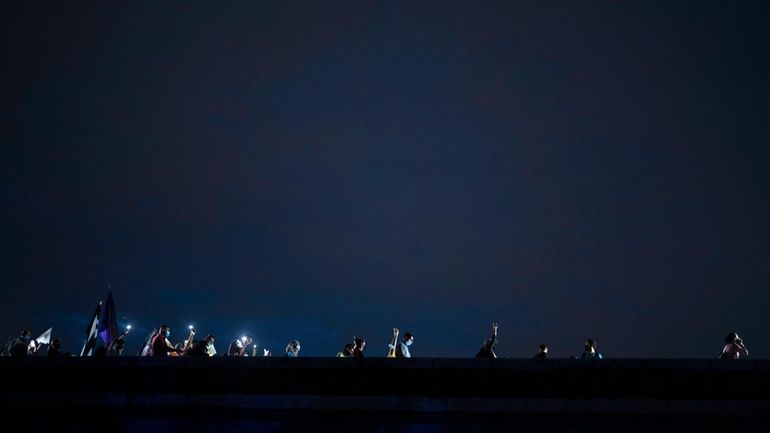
x=108 y=322
x=91 y=331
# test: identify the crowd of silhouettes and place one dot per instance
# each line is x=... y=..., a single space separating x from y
x=158 y=344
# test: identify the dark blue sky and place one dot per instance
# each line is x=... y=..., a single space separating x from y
x=316 y=171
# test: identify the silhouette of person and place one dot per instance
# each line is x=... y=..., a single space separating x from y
x=346 y=351
x=19 y=346
x=292 y=349
x=734 y=347
x=160 y=344
x=201 y=347
x=488 y=347
x=402 y=351
x=590 y=350
x=238 y=347
x=359 y=344
x=54 y=350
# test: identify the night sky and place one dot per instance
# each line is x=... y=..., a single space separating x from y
x=318 y=171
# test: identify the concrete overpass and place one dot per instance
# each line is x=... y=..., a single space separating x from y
x=701 y=394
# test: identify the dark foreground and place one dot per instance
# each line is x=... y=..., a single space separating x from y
x=382 y=395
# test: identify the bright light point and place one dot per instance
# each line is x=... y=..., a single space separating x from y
x=190 y=327
x=243 y=338
x=128 y=326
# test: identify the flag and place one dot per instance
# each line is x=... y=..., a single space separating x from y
x=91 y=331
x=108 y=322
x=45 y=337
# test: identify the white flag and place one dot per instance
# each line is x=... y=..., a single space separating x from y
x=45 y=337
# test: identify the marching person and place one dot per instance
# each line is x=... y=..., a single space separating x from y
x=734 y=347
x=359 y=344
x=347 y=351
x=590 y=350
x=19 y=346
x=201 y=348
x=54 y=350
x=238 y=347
x=402 y=350
x=488 y=347
x=160 y=344
x=292 y=349
x=116 y=347
x=542 y=352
